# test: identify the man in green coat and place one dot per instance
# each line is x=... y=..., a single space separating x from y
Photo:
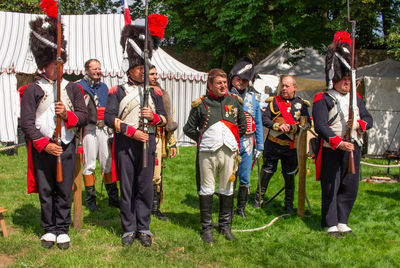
x=216 y=122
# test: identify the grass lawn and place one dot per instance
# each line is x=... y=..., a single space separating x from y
x=289 y=242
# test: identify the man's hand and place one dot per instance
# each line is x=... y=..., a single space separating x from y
x=61 y=110
x=346 y=146
x=285 y=128
x=257 y=154
x=172 y=152
x=147 y=113
x=140 y=136
x=53 y=149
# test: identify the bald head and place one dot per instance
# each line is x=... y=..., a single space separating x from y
x=288 y=87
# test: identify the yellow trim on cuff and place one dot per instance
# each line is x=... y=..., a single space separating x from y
x=276 y=126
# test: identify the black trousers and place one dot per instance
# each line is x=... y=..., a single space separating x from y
x=273 y=152
x=55 y=197
x=136 y=182
x=339 y=189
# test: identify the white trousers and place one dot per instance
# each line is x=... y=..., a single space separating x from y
x=216 y=164
x=95 y=146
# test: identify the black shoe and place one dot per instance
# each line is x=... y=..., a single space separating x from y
x=91 y=198
x=128 y=240
x=289 y=192
x=145 y=239
x=63 y=245
x=112 y=191
x=335 y=234
x=265 y=177
x=159 y=215
x=207 y=236
x=289 y=209
x=226 y=231
x=225 y=216
x=47 y=244
x=242 y=200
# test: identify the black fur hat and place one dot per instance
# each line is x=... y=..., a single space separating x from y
x=43 y=41
x=244 y=68
x=338 y=59
x=133 y=33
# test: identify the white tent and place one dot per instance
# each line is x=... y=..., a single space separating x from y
x=310 y=64
x=381 y=84
x=308 y=69
x=88 y=36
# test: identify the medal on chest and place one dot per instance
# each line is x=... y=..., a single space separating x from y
x=297 y=107
x=228 y=110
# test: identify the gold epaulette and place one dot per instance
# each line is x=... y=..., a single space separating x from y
x=306 y=102
x=196 y=102
x=240 y=99
x=269 y=99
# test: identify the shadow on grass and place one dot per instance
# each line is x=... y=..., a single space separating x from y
x=185 y=219
x=27 y=217
x=393 y=195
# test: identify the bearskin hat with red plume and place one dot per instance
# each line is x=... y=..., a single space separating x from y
x=131 y=35
x=338 y=58
x=43 y=36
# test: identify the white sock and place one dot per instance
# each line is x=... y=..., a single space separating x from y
x=343 y=228
x=332 y=229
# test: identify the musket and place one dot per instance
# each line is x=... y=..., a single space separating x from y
x=59 y=63
x=145 y=123
x=353 y=94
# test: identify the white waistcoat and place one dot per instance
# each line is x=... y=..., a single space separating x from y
x=46 y=118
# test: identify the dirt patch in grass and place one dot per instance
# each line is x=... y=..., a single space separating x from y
x=6 y=260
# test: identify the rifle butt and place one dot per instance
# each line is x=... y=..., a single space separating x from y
x=145 y=161
x=59 y=169
x=351 y=168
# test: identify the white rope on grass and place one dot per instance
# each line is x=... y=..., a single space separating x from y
x=262 y=227
x=381 y=166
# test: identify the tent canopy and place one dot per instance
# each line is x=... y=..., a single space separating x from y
x=310 y=64
x=88 y=36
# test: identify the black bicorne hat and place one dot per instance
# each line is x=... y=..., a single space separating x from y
x=244 y=68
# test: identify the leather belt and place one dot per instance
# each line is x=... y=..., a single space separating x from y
x=279 y=141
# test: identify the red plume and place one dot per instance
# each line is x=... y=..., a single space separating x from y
x=342 y=37
x=157 y=24
x=49 y=7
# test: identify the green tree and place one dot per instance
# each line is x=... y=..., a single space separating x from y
x=233 y=28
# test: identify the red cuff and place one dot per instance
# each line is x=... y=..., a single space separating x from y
x=334 y=142
x=156 y=120
x=100 y=113
x=130 y=131
x=363 y=124
x=71 y=121
x=40 y=144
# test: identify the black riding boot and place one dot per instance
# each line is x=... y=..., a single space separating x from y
x=289 y=191
x=243 y=193
x=155 y=209
x=206 y=202
x=225 y=216
x=91 y=198
x=265 y=178
x=112 y=190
